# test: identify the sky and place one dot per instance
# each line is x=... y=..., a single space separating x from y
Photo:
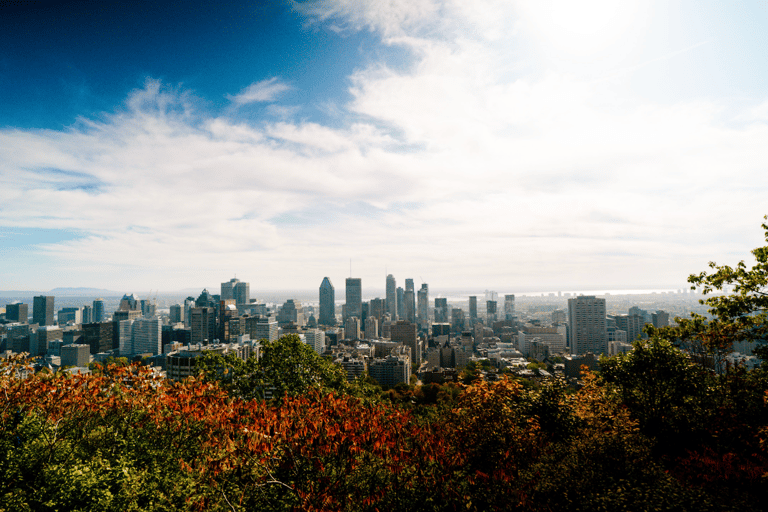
x=483 y=144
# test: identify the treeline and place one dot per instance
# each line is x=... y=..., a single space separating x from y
x=653 y=431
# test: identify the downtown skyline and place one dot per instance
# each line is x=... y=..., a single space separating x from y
x=488 y=145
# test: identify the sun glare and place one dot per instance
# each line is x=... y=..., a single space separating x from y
x=587 y=29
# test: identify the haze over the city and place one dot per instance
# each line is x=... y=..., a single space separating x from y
x=510 y=145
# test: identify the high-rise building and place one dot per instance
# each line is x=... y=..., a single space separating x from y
x=291 y=311
x=457 y=319
x=315 y=338
x=75 y=355
x=98 y=336
x=441 y=310
x=422 y=312
x=177 y=314
x=203 y=324
x=659 y=319
x=491 y=312
x=377 y=308
x=242 y=293
x=354 y=297
x=130 y=303
x=391 y=297
x=410 y=306
x=42 y=310
x=327 y=303
x=587 y=326
x=371 y=328
x=263 y=327
x=404 y=332
x=67 y=315
x=228 y=289
x=98 y=311
x=400 y=302
x=472 y=309
x=509 y=307
x=147 y=336
x=87 y=314
x=352 y=328
x=17 y=312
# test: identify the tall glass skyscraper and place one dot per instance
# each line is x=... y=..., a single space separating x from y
x=354 y=292
x=392 y=297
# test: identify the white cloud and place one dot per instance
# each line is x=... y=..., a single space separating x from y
x=513 y=175
x=263 y=91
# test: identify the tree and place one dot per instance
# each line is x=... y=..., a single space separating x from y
x=287 y=366
x=738 y=315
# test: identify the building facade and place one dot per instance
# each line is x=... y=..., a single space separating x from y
x=587 y=325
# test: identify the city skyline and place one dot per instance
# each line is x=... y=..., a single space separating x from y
x=506 y=145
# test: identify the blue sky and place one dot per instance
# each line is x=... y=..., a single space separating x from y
x=510 y=145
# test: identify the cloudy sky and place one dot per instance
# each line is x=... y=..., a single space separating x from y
x=512 y=145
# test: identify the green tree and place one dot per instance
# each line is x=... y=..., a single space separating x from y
x=286 y=366
x=738 y=315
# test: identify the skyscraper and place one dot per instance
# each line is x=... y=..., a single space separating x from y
x=441 y=310
x=327 y=303
x=422 y=312
x=228 y=289
x=410 y=306
x=98 y=311
x=391 y=297
x=509 y=307
x=354 y=297
x=242 y=293
x=42 y=310
x=400 y=302
x=472 y=309
x=491 y=312
x=587 y=327
x=17 y=312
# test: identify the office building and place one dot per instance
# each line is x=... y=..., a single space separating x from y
x=262 y=327
x=98 y=311
x=422 y=311
x=98 y=336
x=291 y=311
x=17 y=312
x=400 y=302
x=587 y=325
x=441 y=310
x=352 y=328
x=405 y=332
x=371 y=328
x=203 y=324
x=42 y=310
x=409 y=306
x=69 y=315
x=509 y=307
x=491 y=313
x=391 y=297
x=228 y=289
x=177 y=314
x=390 y=371
x=87 y=314
x=75 y=355
x=327 y=303
x=147 y=336
x=659 y=319
x=315 y=338
x=130 y=303
x=354 y=298
x=472 y=309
